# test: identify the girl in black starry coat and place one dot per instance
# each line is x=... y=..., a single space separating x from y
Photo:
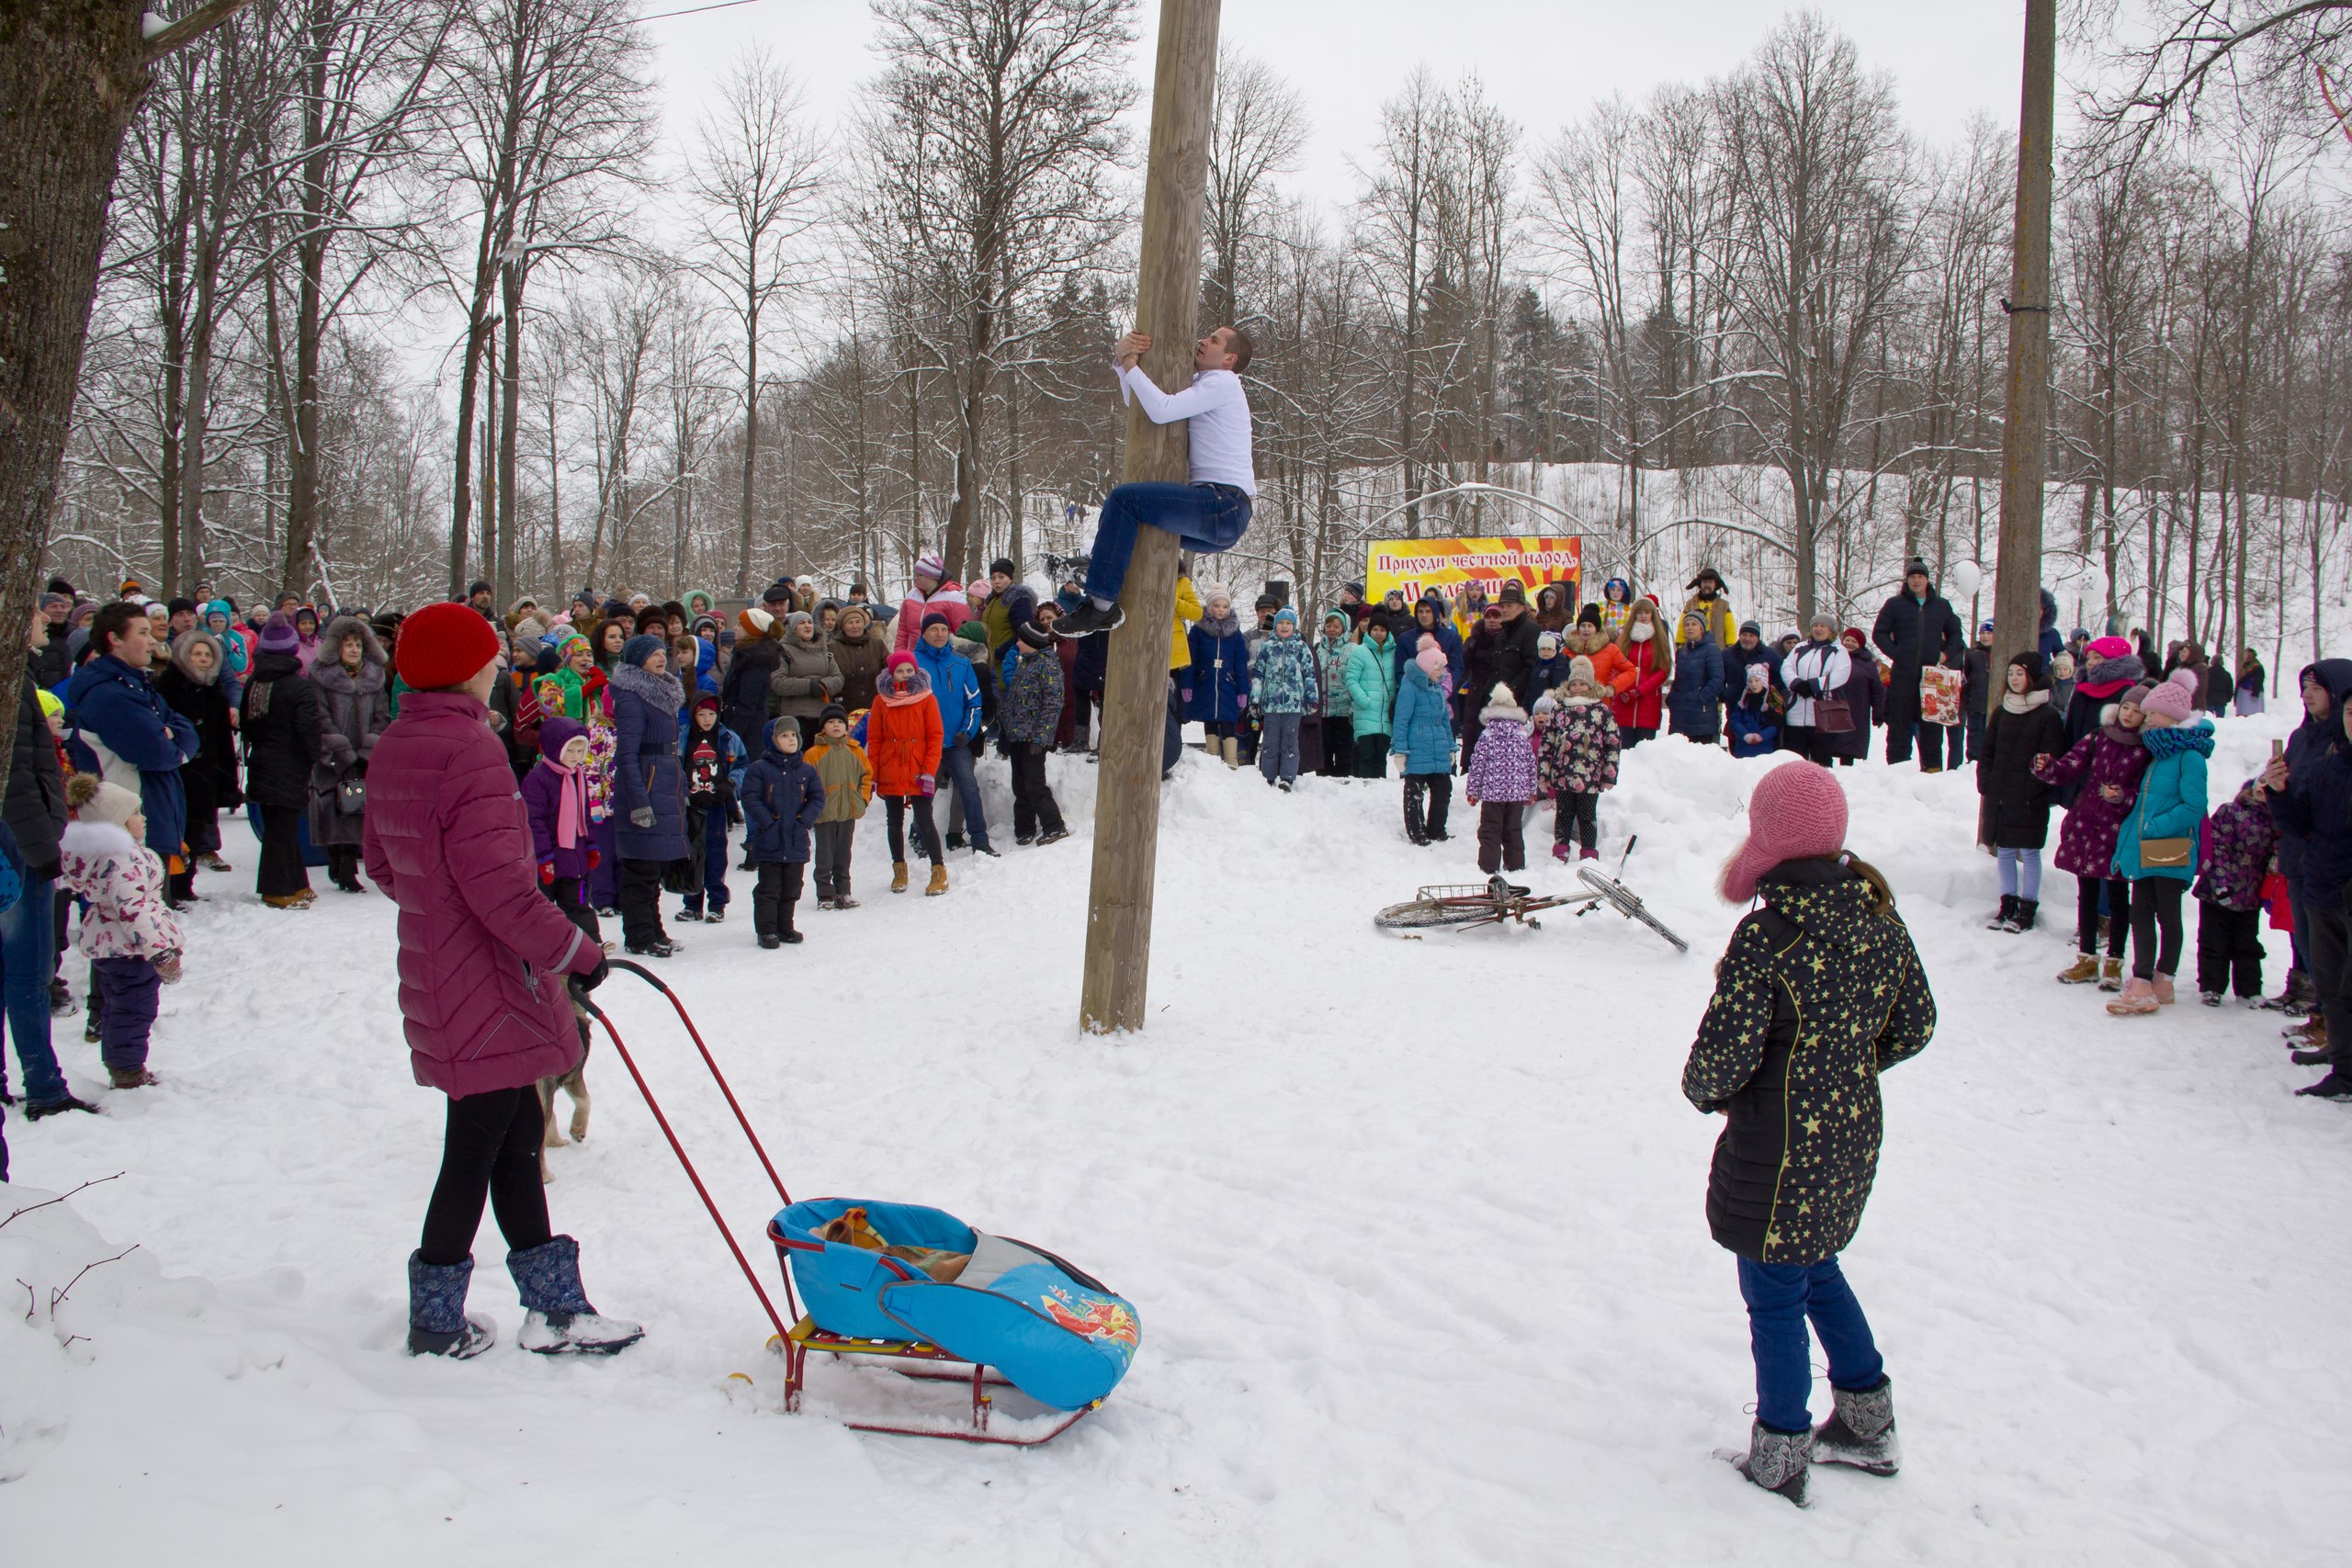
x=1818 y=993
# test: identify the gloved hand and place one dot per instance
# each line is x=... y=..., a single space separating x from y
x=546 y=873
x=1241 y=703
x=1185 y=693
x=597 y=976
x=642 y=817
x=1805 y=686
x=595 y=859
x=929 y=785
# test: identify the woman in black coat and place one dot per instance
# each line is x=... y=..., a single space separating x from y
x=743 y=693
x=2022 y=729
x=356 y=697
x=191 y=687
x=285 y=721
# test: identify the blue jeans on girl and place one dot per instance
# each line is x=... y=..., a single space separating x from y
x=1780 y=1297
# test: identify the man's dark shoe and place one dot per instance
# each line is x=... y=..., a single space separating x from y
x=1090 y=618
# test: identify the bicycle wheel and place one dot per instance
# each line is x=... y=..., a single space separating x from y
x=1431 y=912
x=1659 y=925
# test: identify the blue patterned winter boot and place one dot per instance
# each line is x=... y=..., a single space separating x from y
x=556 y=1317
x=437 y=1324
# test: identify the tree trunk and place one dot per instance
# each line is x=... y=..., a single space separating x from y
x=71 y=74
x=509 y=422
x=751 y=442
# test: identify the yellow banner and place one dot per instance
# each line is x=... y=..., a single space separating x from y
x=1411 y=566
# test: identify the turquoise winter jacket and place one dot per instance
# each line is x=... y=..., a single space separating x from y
x=2172 y=799
x=1372 y=687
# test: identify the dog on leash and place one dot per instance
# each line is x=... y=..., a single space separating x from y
x=575 y=1084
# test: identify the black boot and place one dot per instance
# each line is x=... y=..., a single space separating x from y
x=2000 y=921
x=1416 y=829
x=2022 y=915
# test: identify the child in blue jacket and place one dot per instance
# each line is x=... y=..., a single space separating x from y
x=782 y=799
x=1753 y=722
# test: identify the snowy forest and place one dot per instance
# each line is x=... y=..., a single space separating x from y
x=400 y=298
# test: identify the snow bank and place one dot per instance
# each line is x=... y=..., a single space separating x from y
x=1414 y=1227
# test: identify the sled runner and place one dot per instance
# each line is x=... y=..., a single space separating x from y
x=1466 y=906
x=918 y=1289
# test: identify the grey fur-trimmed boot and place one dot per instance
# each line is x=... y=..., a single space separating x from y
x=557 y=1318
x=437 y=1324
x=1860 y=1432
x=1778 y=1462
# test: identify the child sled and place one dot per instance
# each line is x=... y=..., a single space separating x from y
x=920 y=1291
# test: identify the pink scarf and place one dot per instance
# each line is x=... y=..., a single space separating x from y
x=572 y=811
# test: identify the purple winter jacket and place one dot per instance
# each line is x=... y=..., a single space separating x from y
x=483 y=951
x=1502 y=765
x=2087 y=837
x=543 y=802
x=2239 y=837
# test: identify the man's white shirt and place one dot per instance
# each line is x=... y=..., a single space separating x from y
x=1218 y=409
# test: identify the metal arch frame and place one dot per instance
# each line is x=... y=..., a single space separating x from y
x=1479 y=487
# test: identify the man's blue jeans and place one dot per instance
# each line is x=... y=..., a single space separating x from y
x=955 y=762
x=28 y=958
x=1208 y=518
x=1780 y=1297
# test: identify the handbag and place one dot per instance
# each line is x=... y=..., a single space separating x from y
x=351 y=796
x=2167 y=854
x=1832 y=716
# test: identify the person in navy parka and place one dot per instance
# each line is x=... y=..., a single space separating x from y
x=649 y=787
x=1217 y=688
x=130 y=734
x=1695 y=707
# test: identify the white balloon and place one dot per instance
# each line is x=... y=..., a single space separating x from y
x=1964 y=578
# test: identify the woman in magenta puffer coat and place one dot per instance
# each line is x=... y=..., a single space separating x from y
x=483 y=961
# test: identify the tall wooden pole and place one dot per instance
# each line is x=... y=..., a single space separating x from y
x=2017 y=597
x=1134 y=695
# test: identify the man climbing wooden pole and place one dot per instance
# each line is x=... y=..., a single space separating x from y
x=1135 y=696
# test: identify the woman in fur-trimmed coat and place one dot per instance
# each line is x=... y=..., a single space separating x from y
x=352 y=679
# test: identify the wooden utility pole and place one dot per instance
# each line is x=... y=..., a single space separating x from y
x=1135 y=696
x=2025 y=458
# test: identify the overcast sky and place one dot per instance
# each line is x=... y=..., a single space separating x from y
x=1543 y=60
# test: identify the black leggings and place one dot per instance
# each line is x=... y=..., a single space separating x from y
x=2156 y=926
x=1577 y=816
x=2087 y=912
x=926 y=830
x=490 y=1150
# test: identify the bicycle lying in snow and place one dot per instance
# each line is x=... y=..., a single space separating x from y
x=1470 y=905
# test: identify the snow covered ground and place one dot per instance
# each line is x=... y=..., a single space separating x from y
x=1414 y=1227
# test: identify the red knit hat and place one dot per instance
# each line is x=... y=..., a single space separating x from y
x=1797 y=810
x=443 y=645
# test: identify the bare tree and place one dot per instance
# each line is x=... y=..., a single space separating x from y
x=1258 y=131
x=754 y=175
x=992 y=136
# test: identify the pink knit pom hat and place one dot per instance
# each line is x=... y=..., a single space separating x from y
x=2176 y=698
x=1797 y=810
x=1431 y=658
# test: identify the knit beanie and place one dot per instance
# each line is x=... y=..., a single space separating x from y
x=973 y=631
x=640 y=649
x=1589 y=616
x=755 y=621
x=1547 y=644
x=277 y=637
x=931 y=566
x=2036 y=678
x=831 y=712
x=1431 y=658
x=1580 y=671
x=1286 y=614
x=795 y=621
x=95 y=800
x=902 y=660
x=1033 y=636
x=1003 y=564
x=2176 y=699
x=934 y=619
x=1797 y=811
x=438 y=647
